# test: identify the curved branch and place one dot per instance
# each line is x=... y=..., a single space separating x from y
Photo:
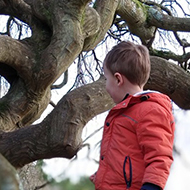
x=92 y=22
x=160 y=20
x=23 y=103
x=170 y=55
x=17 y=56
x=63 y=83
x=21 y=106
x=17 y=8
x=67 y=39
x=59 y=135
x=135 y=15
x=106 y=12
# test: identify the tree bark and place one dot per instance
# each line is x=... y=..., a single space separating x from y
x=169 y=78
x=160 y=20
x=59 y=134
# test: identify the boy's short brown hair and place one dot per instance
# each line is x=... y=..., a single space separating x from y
x=131 y=60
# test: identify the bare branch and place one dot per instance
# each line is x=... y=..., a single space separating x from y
x=170 y=55
x=64 y=82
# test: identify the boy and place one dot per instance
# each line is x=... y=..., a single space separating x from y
x=137 y=143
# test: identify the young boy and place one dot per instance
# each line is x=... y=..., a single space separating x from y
x=137 y=144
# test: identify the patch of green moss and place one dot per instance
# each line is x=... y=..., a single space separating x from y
x=142 y=6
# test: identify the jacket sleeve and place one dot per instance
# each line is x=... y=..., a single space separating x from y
x=155 y=133
x=150 y=186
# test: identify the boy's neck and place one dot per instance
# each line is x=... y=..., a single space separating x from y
x=131 y=92
x=129 y=88
x=133 y=89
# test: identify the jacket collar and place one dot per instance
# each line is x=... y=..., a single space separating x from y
x=130 y=100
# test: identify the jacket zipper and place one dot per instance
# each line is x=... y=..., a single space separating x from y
x=128 y=182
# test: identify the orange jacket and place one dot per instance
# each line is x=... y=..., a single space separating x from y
x=137 y=143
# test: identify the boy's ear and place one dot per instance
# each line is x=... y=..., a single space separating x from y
x=119 y=78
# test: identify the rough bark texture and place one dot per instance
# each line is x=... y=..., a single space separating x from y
x=61 y=30
x=59 y=134
x=168 y=78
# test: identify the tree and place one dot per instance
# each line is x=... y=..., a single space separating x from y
x=63 y=30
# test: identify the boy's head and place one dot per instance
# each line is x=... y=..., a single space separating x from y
x=130 y=60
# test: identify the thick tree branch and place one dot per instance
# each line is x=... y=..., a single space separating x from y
x=92 y=22
x=59 y=135
x=17 y=56
x=67 y=39
x=170 y=79
x=22 y=104
x=106 y=11
x=134 y=13
x=162 y=21
x=17 y=8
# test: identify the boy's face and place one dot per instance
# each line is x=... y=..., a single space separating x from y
x=111 y=85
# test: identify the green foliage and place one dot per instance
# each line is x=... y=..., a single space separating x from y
x=83 y=184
